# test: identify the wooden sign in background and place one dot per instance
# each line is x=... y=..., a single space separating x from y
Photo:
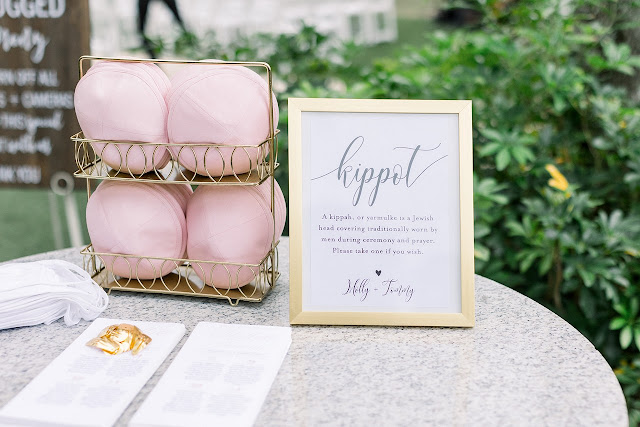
x=40 y=43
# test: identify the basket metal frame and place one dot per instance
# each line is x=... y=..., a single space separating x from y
x=181 y=281
x=91 y=166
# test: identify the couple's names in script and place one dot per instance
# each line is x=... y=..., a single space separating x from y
x=397 y=174
x=360 y=288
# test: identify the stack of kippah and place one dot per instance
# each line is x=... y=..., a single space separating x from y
x=148 y=223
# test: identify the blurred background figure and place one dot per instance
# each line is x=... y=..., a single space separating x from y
x=143 y=8
x=117 y=25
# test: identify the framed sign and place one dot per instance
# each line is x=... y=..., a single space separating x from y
x=381 y=212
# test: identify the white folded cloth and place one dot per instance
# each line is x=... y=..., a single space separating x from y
x=44 y=291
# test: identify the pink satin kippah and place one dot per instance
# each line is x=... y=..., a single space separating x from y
x=219 y=104
x=134 y=218
x=125 y=101
x=232 y=224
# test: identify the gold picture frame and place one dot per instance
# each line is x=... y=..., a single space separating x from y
x=394 y=113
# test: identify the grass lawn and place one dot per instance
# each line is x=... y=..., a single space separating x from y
x=26 y=222
x=410 y=32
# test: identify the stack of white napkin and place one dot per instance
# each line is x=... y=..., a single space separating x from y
x=44 y=291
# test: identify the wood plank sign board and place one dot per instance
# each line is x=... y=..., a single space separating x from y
x=40 y=43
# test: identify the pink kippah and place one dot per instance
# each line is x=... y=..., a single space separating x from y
x=134 y=218
x=232 y=224
x=219 y=104
x=125 y=101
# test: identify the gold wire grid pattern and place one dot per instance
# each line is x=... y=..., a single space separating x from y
x=182 y=280
x=89 y=154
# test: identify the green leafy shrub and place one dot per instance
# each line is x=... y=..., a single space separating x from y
x=556 y=148
x=629 y=376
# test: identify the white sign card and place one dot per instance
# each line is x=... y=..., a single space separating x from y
x=381 y=212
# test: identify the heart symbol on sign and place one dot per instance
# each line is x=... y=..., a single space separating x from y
x=378 y=272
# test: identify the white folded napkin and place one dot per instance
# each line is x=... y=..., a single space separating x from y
x=44 y=291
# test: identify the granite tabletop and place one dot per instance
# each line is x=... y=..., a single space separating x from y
x=520 y=365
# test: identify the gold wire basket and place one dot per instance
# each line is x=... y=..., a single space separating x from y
x=89 y=154
x=182 y=280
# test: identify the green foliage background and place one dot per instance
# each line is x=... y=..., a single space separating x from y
x=556 y=147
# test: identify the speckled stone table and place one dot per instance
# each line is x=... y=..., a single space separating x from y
x=520 y=365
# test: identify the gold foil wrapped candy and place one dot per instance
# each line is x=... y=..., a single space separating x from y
x=117 y=339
